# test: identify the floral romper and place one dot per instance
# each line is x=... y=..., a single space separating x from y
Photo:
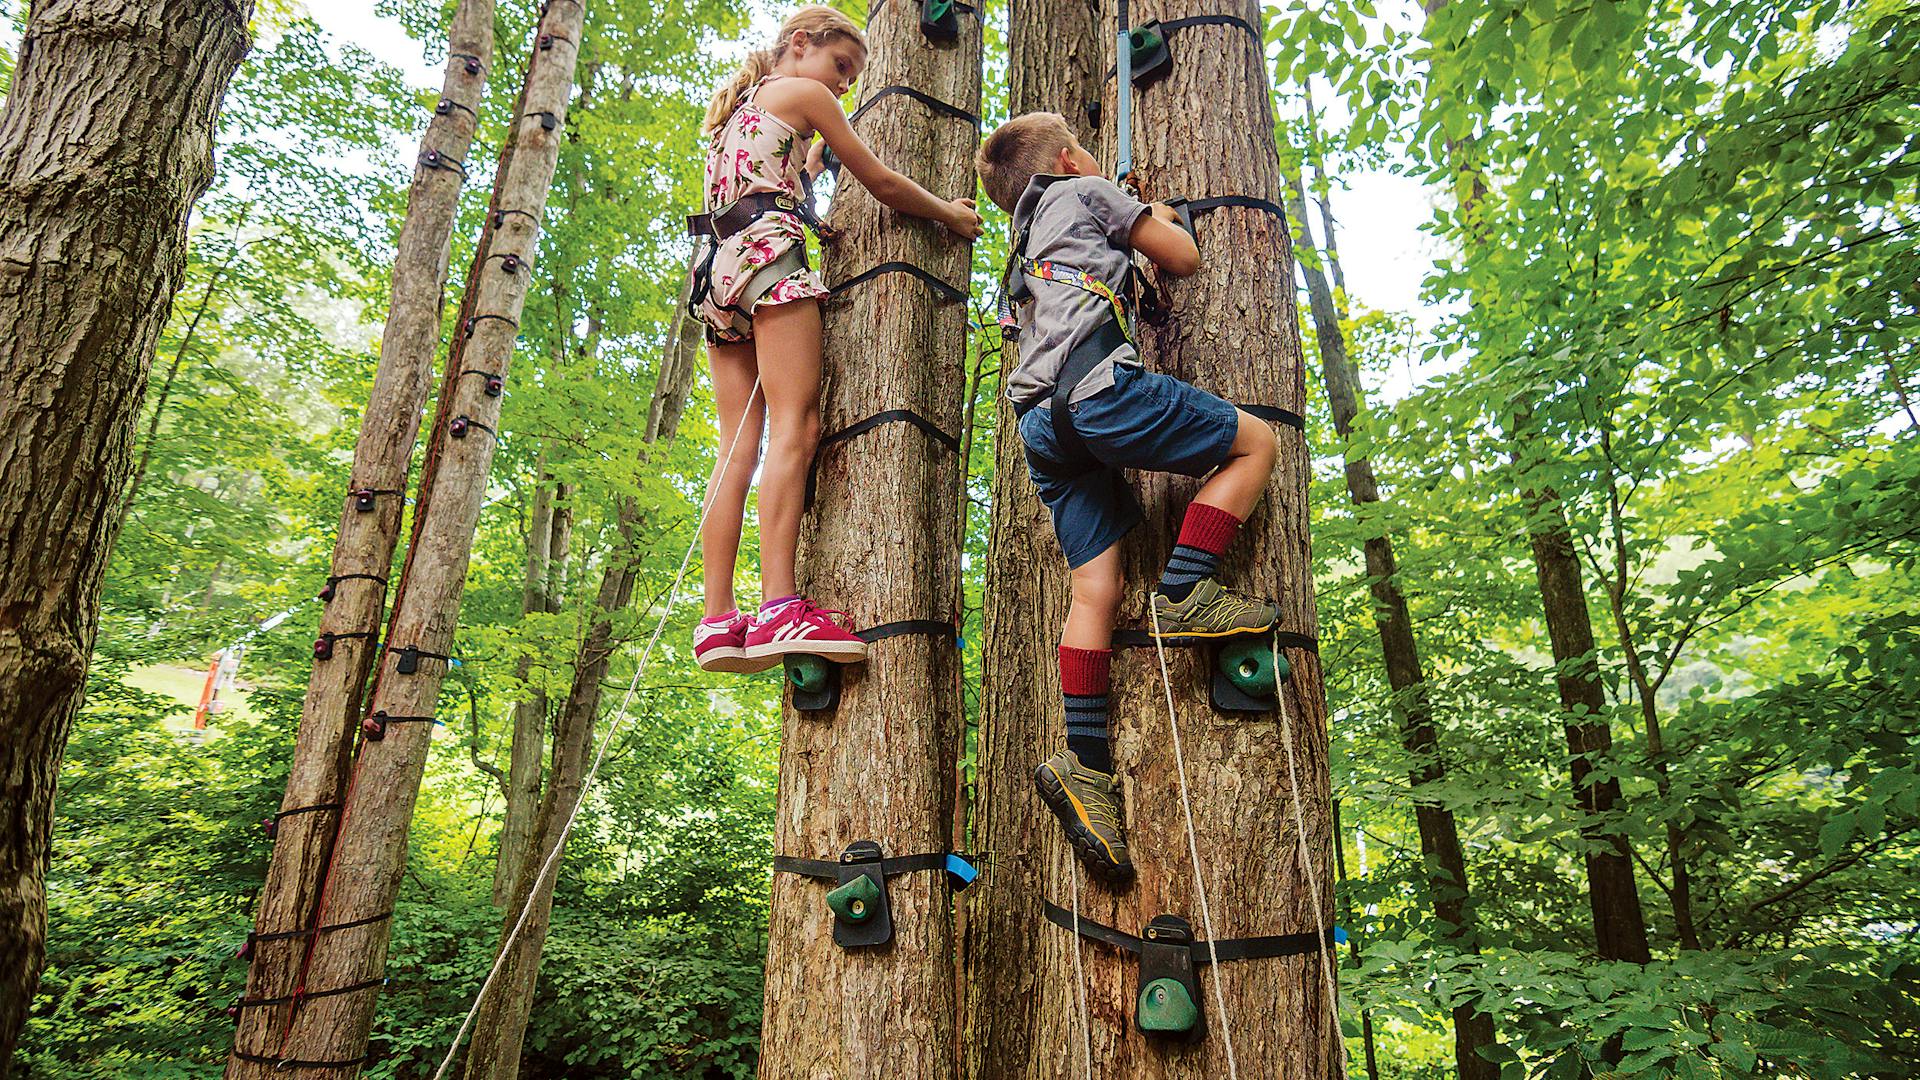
x=754 y=152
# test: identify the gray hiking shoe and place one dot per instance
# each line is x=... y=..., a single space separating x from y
x=1210 y=611
x=1087 y=802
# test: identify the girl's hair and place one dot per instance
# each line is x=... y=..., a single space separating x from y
x=822 y=25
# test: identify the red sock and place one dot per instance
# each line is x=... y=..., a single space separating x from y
x=1085 y=672
x=1208 y=528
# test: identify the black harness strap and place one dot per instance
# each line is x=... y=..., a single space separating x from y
x=1249 y=948
x=904 y=627
x=1139 y=639
x=932 y=430
x=1089 y=354
x=920 y=96
x=946 y=292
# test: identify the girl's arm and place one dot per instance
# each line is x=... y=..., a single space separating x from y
x=821 y=111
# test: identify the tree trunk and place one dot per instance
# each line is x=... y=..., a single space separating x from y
x=1256 y=779
x=317 y=781
x=1057 y=57
x=1619 y=929
x=106 y=141
x=1444 y=859
x=363 y=874
x=881 y=767
x=527 y=753
x=500 y=1027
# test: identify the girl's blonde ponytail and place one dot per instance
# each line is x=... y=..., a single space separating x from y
x=758 y=64
x=821 y=23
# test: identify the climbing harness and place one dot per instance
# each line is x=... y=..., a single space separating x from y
x=858 y=901
x=726 y=221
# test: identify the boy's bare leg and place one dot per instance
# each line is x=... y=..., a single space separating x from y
x=1237 y=485
x=734 y=371
x=1096 y=602
x=788 y=338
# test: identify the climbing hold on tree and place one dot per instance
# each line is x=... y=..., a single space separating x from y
x=1169 y=1004
x=1166 y=1008
x=473 y=65
x=939 y=21
x=1249 y=664
x=409 y=661
x=856 y=901
x=1151 y=58
x=808 y=673
x=326 y=592
x=495 y=384
x=815 y=682
x=323 y=647
x=458 y=428
x=363 y=500
x=511 y=264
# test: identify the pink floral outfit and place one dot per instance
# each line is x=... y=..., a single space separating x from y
x=754 y=152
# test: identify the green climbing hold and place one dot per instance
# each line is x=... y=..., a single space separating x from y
x=808 y=674
x=1143 y=42
x=855 y=901
x=1249 y=666
x=1165 y=1006
x=938 y=9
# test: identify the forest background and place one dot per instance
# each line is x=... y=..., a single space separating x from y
x=1676 y=296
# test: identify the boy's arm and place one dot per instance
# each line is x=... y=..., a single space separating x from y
x=1160 y=238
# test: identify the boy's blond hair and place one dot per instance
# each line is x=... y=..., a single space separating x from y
x=1017 y=151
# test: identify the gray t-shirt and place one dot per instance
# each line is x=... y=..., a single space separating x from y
x=1082 y=222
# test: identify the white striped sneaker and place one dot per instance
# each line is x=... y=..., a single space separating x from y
x=800 y=628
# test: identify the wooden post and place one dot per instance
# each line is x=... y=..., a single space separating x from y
x=883 y=543
x=106 y=142
x=327 y=1022
x=1253 y=779
x=370 y=517
x=1058 y=53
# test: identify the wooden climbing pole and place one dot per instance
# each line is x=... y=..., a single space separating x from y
x=1255 y=782
x=1059 y=50
x=882 y=542
x=314 y=1025
x=355 y=592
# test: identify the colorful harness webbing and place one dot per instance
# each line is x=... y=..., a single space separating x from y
x=1047 y=270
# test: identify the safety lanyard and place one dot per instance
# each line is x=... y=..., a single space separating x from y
x=1123 y=91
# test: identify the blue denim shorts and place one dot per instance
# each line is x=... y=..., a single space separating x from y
x=1143 y=421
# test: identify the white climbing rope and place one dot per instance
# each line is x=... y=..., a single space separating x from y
x=1193 y=849
x=1079 y=976
x=593 y=770
x=1327 y=966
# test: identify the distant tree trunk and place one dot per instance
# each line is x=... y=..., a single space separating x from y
x=1619 y=928
x=1444 y=859
x=106 y=141
x=1646 y=688
x=368 y=858
x=527 y=753
x=1058 y=54
x=1353 y=942
x=1266 y=858
x=317 y=780
x=500 y=1027
x=881 y=766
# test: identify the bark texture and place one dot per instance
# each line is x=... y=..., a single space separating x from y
x=1204 y=130
x=369 y=855
x=303 y=841
x=1441 y=853
x=1058 y=54
x=106 y=141
x=882 y=766
x=500 y=1028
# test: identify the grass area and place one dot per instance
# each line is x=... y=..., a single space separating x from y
x=183 y=684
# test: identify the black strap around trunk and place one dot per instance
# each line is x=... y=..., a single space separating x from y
x=920 y=96
x=944 y=291
x=861 y=427
x=829 y=869
x=1247 y=948
x=904 y=627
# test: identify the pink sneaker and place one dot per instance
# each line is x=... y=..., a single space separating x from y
x=719 y=644
x=800 y=628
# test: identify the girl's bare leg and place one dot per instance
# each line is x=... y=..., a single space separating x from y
x=787 y=339
x=734 y=372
